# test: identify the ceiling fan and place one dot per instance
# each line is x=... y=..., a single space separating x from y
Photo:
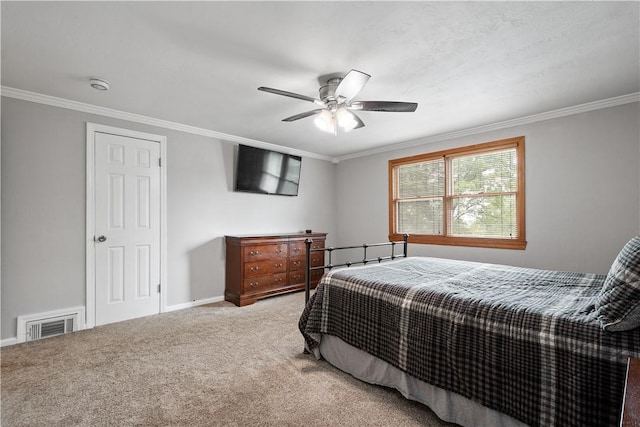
x=337 y=104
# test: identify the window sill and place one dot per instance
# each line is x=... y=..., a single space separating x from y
x=464 y=241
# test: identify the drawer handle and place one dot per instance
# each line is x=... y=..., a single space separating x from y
x=278 y=251
x=255 y=268
x=277 y=265
x=254 y=284
x=254 y=253
x=296 y=263
x=296 y=249
x=278 y=280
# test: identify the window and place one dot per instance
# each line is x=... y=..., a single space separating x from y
x=469 y=196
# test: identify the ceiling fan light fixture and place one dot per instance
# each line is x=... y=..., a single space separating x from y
x=346 y=120
x=325 y=122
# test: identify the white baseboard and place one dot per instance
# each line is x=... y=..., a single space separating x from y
x=193 y=303
x=8 y=341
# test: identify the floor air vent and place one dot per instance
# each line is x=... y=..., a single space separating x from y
x=44 y=325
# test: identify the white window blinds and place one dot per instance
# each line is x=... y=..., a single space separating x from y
x=483 y=194
x=421 y=190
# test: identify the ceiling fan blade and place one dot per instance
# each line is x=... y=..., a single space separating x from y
x=351 y=84
x=303 y=115
x=395 y=107
x=291 y=95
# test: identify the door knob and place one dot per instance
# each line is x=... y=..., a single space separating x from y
x=100 y=239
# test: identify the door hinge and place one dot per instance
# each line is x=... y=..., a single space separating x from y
x=160 y=161
x=158 y=288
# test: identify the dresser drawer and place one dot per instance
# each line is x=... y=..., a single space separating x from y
x=265 y=252
x=316 y=275
x=264 y=283
x=296 y=277
x=317 y=260
x=252 y=269
x=298 y=263
x=299 y=248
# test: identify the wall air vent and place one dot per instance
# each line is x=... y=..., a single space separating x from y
x=44 y=325
x=37 y=329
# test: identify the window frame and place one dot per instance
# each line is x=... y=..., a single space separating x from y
x=486 y=242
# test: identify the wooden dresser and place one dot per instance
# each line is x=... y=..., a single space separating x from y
x=260 y=266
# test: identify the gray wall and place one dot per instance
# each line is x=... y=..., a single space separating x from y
x=582 y=192
x=591 y=159
x=43 y=209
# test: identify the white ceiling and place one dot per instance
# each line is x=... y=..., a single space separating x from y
x=199 y=64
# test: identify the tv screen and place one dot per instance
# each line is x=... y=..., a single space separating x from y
x=267 y=172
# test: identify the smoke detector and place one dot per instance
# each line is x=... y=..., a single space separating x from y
x=99 y=84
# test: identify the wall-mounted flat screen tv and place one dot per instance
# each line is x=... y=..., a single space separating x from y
x=267 y=172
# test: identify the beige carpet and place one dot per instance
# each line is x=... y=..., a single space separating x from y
x=205 y=366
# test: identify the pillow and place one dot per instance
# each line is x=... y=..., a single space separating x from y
x=618 y=304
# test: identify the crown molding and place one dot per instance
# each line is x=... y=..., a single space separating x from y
x=561 y=112
x=137 y=118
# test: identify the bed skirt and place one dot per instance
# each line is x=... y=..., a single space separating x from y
x=448 y=406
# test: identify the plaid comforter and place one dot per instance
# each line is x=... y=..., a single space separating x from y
x=521 y=341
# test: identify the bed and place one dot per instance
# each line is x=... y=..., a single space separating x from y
x=484 y=344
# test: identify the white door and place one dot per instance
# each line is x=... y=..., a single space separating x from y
x=126 y=227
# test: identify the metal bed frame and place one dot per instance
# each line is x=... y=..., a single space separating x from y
x=364 y=261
